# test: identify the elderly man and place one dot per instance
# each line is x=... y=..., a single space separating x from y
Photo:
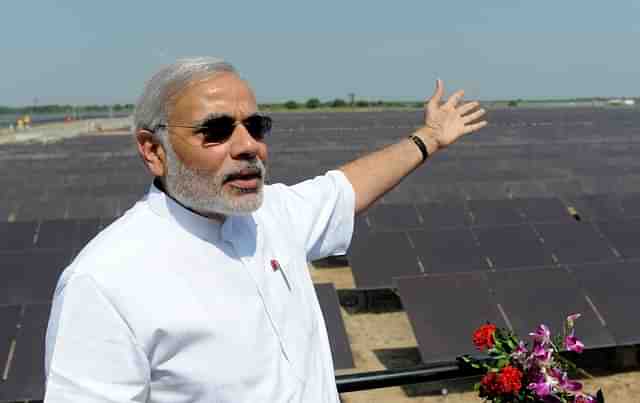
x=200 y=292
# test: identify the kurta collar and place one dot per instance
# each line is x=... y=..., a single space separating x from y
x=200 y=226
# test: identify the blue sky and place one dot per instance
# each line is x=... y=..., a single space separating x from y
x=101 y=52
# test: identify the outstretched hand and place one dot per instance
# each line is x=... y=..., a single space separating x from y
x=446 y=122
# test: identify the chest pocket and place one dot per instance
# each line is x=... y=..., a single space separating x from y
x=288 y=283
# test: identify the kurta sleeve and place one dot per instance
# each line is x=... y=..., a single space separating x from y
x=322 y=211
x=91 y=354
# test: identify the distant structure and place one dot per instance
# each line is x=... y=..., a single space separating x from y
x=622 y=101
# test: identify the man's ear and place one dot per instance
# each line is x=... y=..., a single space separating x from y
x=152 y=152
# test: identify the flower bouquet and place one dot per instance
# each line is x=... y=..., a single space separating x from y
x=515 y=372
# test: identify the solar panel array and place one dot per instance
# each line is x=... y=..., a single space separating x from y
x=534 y=217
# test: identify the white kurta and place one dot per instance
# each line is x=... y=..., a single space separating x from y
x=167 y=306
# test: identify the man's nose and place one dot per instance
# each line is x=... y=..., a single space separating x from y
x=243 y=145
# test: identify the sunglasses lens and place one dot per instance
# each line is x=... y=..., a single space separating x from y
x=258 y=126
x=218 y=130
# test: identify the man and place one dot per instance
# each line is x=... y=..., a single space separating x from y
x=200 y=292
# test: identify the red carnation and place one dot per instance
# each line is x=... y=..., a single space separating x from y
x=510 y=380
x=483 y=337
x=489 y=385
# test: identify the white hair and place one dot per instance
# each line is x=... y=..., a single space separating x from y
x=152 y=107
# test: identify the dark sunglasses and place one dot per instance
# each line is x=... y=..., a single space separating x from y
x=219 y=129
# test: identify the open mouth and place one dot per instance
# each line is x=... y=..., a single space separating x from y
x=245 y=180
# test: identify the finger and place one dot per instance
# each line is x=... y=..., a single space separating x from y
x=454 y=99
x=468 y=107
x=438 y=93
x=474 y=127
x=474 y=116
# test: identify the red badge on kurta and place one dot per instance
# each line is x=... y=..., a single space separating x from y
x=275 y=265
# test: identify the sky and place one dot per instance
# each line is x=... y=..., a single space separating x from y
x=90 y=52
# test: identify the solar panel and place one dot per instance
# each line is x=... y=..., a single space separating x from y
x=92 y=207
x=30 y=277
x=544 y=209
x=55 y=234
x=630 y=204
x=623 y=235
x=495 y=212
x=377 y=258
x=548 y=296
x=393 y=216
x=9 y=317
x=445 y=310
x=614 y=289
x=17 y=235
x=512 y=246
x=598 y=207
x=442 y=215
x=340 y=348
x=25 y=379
x=575 y=242
x=448 y=250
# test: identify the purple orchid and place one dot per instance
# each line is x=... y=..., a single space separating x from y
x=542 y=384
x=572 y=343
x=542 y=335
x=571 y=319
x=563 y=381
x=584 y=399
x=542 y=353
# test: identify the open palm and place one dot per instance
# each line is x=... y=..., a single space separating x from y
x=447 y=121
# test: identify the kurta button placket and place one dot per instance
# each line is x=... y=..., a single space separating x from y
x=228 y=230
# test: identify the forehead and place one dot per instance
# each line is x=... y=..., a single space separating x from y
x=223 y=93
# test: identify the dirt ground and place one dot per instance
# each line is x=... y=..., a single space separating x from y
x=385 y=340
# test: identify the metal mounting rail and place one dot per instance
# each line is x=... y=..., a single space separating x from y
x=398 y=377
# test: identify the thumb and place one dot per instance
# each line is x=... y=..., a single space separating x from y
x=437 y=94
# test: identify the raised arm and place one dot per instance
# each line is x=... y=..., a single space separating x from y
x=445 y=122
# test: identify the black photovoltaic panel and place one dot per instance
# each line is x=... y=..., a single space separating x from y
x=598 y=207
x=26 y=375
x=445 y=310
x=17 y=235
x=30 y=277
x=575 y=242
x=442 y=215
x=544 y=209
x=405 y=193
x=9 y=317
x=448 y=250
x=614 y=289
x=380 y=256
x=630 y=204
x=92 y=207
x=85 y=230
x=34 y=210
x=71 y=234
x=547 y=296
x=623 y=235
x=54 y=234
x=393 y=217
x=495 y=212
x=340 y=347
x=513 y=246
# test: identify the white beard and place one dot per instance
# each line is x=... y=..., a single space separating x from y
x=204 y=192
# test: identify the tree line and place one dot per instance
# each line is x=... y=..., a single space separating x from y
x=56 y=108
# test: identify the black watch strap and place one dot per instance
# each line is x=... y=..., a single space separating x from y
x=423 y=148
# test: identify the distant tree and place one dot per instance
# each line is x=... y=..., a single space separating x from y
x=513 y=103
x=291 y=105
x=361 y=103
x=313 y=103
x=338 y=103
